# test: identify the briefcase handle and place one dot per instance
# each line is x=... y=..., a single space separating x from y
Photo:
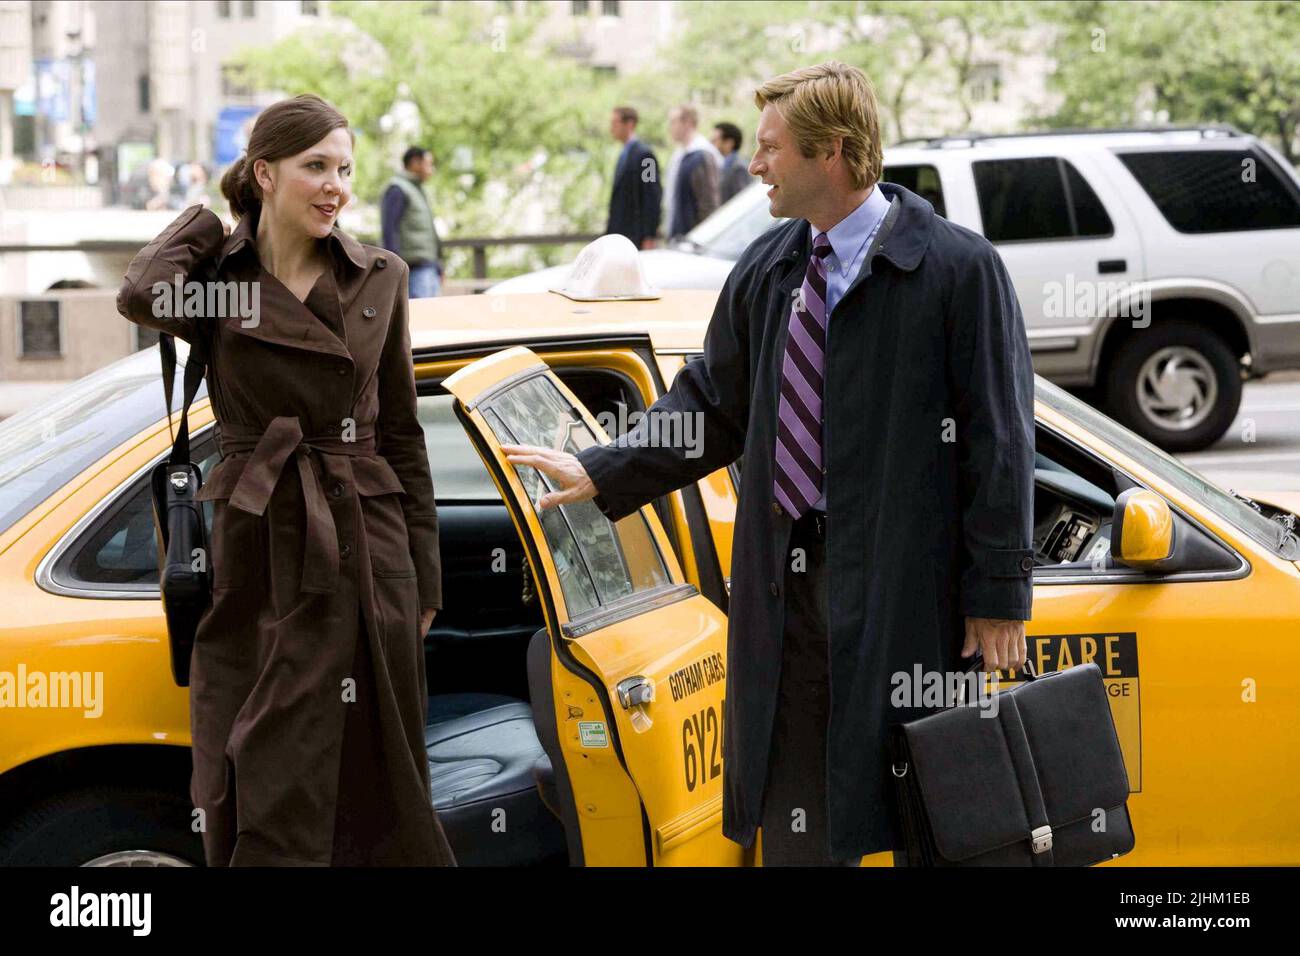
x=1027 y=669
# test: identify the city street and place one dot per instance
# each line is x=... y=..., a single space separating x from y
x=1272 y=461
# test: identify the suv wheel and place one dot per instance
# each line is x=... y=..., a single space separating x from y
x=103 y=826
x=1177 y=384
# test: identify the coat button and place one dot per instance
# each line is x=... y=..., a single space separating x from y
x=776 y=507
x=345 y=550
x=381 y=263
x=774 y=589
x=337 y=490
x=368 y=312
x=1026 y=563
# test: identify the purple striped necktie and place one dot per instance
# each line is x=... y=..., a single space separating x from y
x=799 y=471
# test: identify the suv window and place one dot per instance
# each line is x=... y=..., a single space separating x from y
x=922 y=180
x=1215 y=190
x=1039 y=198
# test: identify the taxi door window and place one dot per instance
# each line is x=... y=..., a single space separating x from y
x=598 y=562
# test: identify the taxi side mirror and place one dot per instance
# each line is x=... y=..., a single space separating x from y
x=1142 y=529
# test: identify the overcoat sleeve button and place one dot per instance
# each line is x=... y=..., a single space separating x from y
x=345 y=550
x=774 y=589
x=381 y=263
x=337 y=490
x=1026 y=563
x=776 y=507
x=368 y=312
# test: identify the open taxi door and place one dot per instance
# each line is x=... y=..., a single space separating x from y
x=629 y=677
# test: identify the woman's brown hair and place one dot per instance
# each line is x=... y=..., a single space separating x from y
x=283 y=129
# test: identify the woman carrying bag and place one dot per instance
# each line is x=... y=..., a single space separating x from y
x=307 y=680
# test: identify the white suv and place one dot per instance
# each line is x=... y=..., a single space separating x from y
x=1160 y=266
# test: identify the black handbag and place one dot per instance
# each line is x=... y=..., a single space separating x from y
x=1042 y=783
x=184 y=562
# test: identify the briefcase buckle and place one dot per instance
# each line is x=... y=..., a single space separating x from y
x=1042 y=837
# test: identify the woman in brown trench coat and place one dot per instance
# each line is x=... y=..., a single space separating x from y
x=308 y=688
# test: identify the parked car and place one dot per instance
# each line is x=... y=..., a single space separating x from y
x=1158 y=268
x=556 y=624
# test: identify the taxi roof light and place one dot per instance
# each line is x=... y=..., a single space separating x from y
x=608 y=269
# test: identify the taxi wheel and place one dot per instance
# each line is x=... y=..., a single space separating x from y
x=103 y=826
x=1177 y=384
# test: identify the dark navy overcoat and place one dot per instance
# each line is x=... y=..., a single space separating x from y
x=929 y=450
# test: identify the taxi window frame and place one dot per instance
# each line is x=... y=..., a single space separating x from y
x=602 y=614
x=1047 y=575
x=53 y=571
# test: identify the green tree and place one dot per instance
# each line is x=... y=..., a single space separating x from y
x=513 y=127
x=1122 y=63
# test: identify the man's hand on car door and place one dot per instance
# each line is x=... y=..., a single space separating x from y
x=562 y=468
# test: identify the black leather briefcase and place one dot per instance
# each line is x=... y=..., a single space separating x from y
x=1042 y=783
x=184 y=568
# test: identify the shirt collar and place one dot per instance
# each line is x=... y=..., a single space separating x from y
x=849 y=235
x=906 y=246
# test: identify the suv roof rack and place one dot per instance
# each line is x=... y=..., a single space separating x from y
x=1207 y=131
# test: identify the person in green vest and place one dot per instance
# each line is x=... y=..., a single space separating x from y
x=407 y=222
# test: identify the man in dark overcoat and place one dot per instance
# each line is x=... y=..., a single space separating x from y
x=636 y=200
x=867 y=362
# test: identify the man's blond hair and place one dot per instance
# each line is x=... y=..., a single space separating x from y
x=822 y=102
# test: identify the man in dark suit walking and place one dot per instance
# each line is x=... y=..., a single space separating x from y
x=635 y=201
x=867 y=362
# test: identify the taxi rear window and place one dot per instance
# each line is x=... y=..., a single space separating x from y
x=45 y=446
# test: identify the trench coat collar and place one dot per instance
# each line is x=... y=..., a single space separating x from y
x=284 y=319
x=906 y=244
x=245 y=233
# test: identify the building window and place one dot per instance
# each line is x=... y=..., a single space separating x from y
x=505 y=6
x=579 y=8
x=234 y=82
x=310 y=8
x=249 y=8
x=223 y=9
x=39 y=333
x=984 y=85
x=142 y=92
x=609 y=8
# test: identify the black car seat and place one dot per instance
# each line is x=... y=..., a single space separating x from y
x=482 y=749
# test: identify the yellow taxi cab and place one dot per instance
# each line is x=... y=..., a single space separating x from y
x=577 y=671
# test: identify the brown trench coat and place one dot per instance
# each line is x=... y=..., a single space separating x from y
x=324 y=550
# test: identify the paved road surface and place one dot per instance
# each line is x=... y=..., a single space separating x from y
x=1272 y=460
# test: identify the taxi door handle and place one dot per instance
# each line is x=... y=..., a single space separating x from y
x=633 y=691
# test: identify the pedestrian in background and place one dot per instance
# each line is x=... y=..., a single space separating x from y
x=407 y=222
x=636 y=200
x=692 y=185
x=734 y=172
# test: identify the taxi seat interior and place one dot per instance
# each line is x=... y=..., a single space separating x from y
x=491 y=764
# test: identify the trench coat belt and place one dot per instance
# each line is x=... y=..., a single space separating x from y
x=271 y=449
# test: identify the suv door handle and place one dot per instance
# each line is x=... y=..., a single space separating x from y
x=1112 y=265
